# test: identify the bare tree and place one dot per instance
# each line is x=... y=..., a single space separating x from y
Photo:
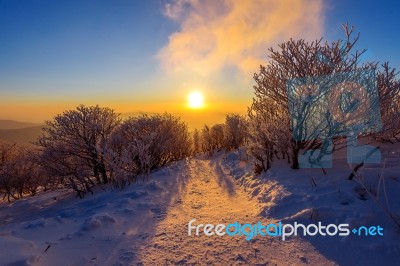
x=20 y=174
x=143 y=143
x=207 y=143
x=196 y=141
x=73 y=146
x=278 y=115
x=389 y=94
x=7 y=156
x=217 y=136
x=235 y=131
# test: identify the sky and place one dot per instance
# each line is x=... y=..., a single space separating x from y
x=147 y=56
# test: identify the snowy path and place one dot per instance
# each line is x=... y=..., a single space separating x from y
x=145 y=224
x=211 y=197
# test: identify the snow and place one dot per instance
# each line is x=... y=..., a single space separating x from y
x=310 y=196
x=147 y=222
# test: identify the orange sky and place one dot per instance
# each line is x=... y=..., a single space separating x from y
x=38 y=111
x=148 y=58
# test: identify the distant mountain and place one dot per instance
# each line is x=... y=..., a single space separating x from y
x=134 y=114
x=193 y=119
x=25 y=135
x=11 y=124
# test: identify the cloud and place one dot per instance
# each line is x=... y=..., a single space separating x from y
x=235 y=33
x=174 y=10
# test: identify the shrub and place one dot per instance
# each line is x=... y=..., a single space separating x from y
x=141 y=144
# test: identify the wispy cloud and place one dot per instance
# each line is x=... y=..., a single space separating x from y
x=235 y=33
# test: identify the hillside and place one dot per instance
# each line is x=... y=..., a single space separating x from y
x=147 y=223
x=21 y=135
x=11 y=124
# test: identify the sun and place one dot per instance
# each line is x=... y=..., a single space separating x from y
x=195 y=100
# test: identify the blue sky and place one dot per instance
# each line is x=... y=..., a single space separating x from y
x=120 y=52
x=378 y=23
x=70 y=44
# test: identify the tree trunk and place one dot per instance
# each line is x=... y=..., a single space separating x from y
x=103 y=174
x=295 y=155
x=295 y=161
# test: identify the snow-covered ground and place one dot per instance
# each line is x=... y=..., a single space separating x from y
x=311 y=196
x=147 y=223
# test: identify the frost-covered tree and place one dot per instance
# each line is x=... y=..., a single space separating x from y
x=389 y=94
x=143 y=143
x=196 y=141
x=20 y=174
x=213 y=139
x=270 y=108
x=230 y=135
x=7 y=156
x=217 y=136
x=235 y=131
x=266 y=138
x=206 y=140
x=73 y=146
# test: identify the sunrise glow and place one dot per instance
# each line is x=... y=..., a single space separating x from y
x=195 y=100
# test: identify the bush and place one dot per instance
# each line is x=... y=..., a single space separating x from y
x=235 y=131
x=73 y=147
x=141 y=144
x=20 y=174
x=90 y=146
